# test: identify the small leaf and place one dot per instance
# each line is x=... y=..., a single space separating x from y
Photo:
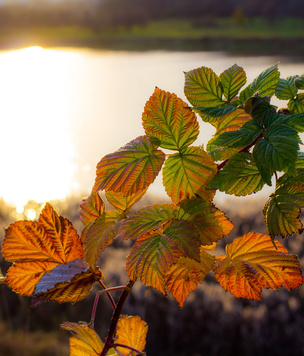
x=296 y=105
x=121 y=202
x=131 y=169
x=66 y=283
x=131 y=331
x=98 y=235
x=232 y=80
x=170 y=121
x=203 y=88
x=146 y=220
x=240 y=176
x=299 y=81
x=184 y=276
x=37 y=247
x=286 y=88
x=253 y=263
x=84 y=340
x=188 y=174
x=283 y=209
x=91 y=208
x=211 y=114
x=264 y=84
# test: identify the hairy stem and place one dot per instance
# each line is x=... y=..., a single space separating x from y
x=116 y=314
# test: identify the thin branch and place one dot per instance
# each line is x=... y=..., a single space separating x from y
x=108 y=294
x=130 y=348
x=116 y=315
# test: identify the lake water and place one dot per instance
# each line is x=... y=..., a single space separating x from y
x=62 y=110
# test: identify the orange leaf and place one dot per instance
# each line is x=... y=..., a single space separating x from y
x=91 y=208
x=252 y=262
x=184 y=276
x=131 y=169
x=37 y=247
x=66 y=283
x=121 y=202
x=131 y=331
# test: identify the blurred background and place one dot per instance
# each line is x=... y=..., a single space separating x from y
x=74 y=79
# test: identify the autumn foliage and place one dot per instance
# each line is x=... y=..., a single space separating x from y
x=174 y=244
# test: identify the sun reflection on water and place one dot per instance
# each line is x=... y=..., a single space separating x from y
x=36 y=147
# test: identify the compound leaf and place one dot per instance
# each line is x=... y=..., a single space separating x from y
x=296 y=105
x=187 y=174
x=130 y=169
x=184 y=276
x=98 y=235
x=211 y=114
x=203 y=87
x=283 y=208
x=210 y=223
x=299 y=81
x=131 y=331
x=264 y=84
x=121 y=202
x=66 y=283
x=286 y=88
x=146 y=220
x=37 y=247
x=169 y=121
x=232 y=80
x=84 y=340
x=240 y=176
x=91 y=208
x=252 y=263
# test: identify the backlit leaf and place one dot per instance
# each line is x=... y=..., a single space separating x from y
x=188 y=173
x=252 y=263
x=286 y=88
x=264 y=84
x=296 y=105
x=203 y=87
x=169 y=121
x=240 y=176
x=210 y=223
x=91 y=208
x=121 y=202
x=153 y=254
x=66 y=283
x=184 y=276
x=145 y=220
x=131 y=331
x=232 y=80
x=84 y=340
x=130 y=169
x=283 y=208
x=37 y=247
x=98 y=235
x=211 y=114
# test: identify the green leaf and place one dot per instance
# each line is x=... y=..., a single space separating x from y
x=188 y=174
x=153 y=254
x=264 y=84
x=145 y=220
x=286 y=88
x=296 y=105
x=300 y=160
x=278 y=149
x=91 y=208
x=240 y=176
x=170 y=121
x=296 y=122
x=283 y=209
x=130 y=169
x=121 y=202
x=299 y=81
x=203 y=87
x=211 y=114
x=210 y=223
x=232 y=80
x=242 y=137
x=98 y=235
x=259 y=108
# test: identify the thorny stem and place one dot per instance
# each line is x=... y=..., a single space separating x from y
x=116 y=314
x=97 y=298
x=245 y=149
x=108 y=294
x=129 y=347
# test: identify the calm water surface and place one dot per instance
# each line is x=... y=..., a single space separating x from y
x=62 y=110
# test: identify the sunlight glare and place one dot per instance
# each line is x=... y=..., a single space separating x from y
x=36 y=146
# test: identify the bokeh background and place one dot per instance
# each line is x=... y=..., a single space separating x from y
x=74 y=79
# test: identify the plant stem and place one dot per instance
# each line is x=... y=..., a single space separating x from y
x=129 y=347
x=116 y=314
x=108 y=294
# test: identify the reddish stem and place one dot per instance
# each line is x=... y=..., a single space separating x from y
x=129 y=347
x=108 y=294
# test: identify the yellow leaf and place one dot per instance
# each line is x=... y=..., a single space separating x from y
x=131 y=331
x=37 y=247
x=252 y=262
x=184 y=276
